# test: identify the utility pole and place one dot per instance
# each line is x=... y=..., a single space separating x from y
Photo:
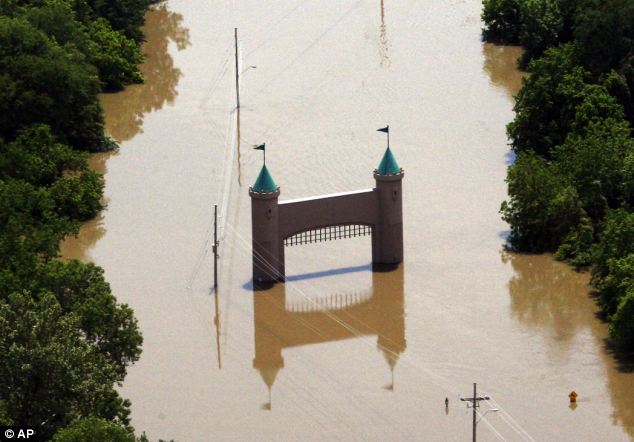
x=215 y=248
x=235 y=33
x=475 y=403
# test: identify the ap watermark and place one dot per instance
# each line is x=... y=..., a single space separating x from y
x=8 y=434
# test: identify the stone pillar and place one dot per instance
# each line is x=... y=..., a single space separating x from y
x=268 y=250
x=388 y=244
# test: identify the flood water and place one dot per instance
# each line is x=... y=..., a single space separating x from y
x=338 y=352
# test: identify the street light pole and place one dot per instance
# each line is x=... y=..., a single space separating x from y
x=235 y=35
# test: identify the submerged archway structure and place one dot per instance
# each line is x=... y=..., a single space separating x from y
x=276 y=224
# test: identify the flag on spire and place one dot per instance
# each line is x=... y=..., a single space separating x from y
x=261 y=147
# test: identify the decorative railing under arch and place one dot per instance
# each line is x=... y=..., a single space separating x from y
x=328 y=233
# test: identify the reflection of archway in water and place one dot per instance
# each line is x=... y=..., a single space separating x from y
x=124 y=111
x=547 y=294
x=279 y=325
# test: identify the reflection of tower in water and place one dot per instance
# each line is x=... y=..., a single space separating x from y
x=383 y=43
x=277 y=325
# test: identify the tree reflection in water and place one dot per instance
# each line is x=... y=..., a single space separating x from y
x=548 y=295
x=500 y=63
x=124 y=111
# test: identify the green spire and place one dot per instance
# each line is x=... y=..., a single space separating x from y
x=264 y=183
x=388 y=165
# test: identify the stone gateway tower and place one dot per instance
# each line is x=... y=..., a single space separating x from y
x=377 y=211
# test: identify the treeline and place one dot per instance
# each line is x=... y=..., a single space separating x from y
x=65 y=342
x=571 y=188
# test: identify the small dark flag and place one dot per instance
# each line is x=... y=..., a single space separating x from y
x=385 y=129
x=260 y=147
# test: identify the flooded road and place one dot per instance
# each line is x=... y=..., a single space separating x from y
x=338 y=352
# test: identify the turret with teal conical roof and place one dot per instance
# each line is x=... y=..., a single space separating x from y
x=388 y=164
x=389 y=229
x=268 y=260
x=264 y=183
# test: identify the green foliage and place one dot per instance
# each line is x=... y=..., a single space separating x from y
x=29 y=225
x=577 y=245
x=558 y=98
x=605 y=33
x=542 y=208
x=613 y=274
x=4 y=416
x=95 y=430
x=115 y=56
x=40 y=201
x=573 y=182
x=50 y=374
x=539 y=105
x=110 y=327
x=65 y=341
x=124 y=15
x=617 y=241
x=36 y=157
x=79 y=196
x=593 y=163
x=622 y=326
x=501 y=20
x=541 y=28
x=42 y=82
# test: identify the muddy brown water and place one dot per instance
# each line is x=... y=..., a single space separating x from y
x=338 y=352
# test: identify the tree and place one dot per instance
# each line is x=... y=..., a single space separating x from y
x=78 y=197
x=593 y=162
x=37 y=158
x=542 y=27
x=124 y=15
x=95 y=430
x=556 y=99
x=50 y=374
x=604 y=31
x=80 y=288
x=115 y=56
x=41 y=82
x=502 y=20
x=29 y=225
x=538 y=104
x=622 y=326
x=613 y=270
x=542 y=208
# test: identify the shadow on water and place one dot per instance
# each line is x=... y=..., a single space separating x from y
x=548 y=296
x=313 y=275
x=125 y=110
x=280 y=324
